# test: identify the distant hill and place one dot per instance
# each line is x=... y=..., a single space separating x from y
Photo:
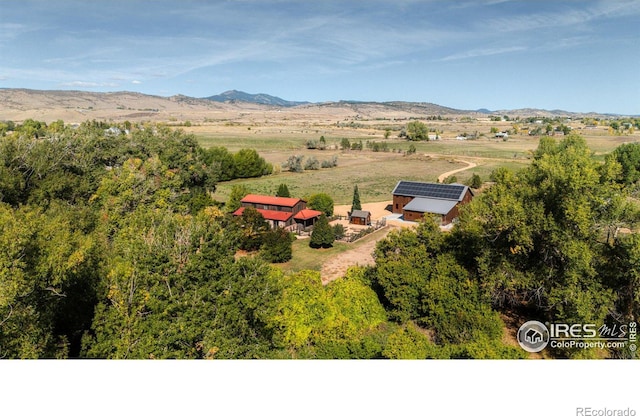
x=235 y=95
x=75 y=106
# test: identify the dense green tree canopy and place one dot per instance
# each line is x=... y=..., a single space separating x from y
x=321 y=202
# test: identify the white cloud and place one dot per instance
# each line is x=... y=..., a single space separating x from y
x=482 y=52
x=135 y=81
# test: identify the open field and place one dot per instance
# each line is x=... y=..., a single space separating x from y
x=376 y=173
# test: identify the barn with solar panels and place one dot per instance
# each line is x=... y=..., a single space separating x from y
x=414 y=199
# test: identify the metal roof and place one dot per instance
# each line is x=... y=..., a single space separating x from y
x=307 y=214
x=268 y=214
x=431 y=190
x=271 y=200
x=358 y=213
x=431 y=205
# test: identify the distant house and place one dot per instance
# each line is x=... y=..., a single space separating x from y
x=280 y=211
x=360 y=217
x=414 y=199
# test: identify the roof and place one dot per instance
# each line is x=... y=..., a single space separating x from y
x=431 y=205
x=307 y=214
x=271 y=200
x=358 y=213
x=452 y=192
x=268 y=214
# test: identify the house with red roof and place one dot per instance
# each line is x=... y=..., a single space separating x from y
x=280 y=211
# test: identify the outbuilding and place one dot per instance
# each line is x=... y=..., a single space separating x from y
x=360 y=217
x=415 y=199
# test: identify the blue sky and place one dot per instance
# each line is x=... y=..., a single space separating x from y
x=496 y=54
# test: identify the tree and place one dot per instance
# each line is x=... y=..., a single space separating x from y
x=628 y=156
x=237 y=193
x=283 y=191
x=294 y=163
x=323 y=143
x=322 y=234
x=254 y=227
x=344 y=144
x=249 y=164
x=355 y=204
x=476 y=181
x=277 y=245
x=312 y=163
x=220 y=163
x=321 y=202
x=417 y=130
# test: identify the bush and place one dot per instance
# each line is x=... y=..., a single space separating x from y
x=339 y=232
x=294 y=163
x=276 y=246
x=476 y=181
x=331 y=163
x=312 y=164
x=322 y=234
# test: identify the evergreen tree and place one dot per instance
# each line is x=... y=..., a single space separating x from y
x=276 y=246
x=322 y=234
x=476 y=181
x=283 y=191
x=355 y=205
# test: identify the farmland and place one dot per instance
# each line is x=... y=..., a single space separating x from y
x=377 y=172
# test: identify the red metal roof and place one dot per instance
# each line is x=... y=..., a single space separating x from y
x=307 y=214
x=268 y=214
x=271 y=200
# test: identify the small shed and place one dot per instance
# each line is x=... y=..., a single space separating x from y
x=360 y=217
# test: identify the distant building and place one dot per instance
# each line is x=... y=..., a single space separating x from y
x=414 y=199
x=280 y=211
x=360 y=217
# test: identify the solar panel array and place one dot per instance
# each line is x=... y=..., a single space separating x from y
x=429 y=190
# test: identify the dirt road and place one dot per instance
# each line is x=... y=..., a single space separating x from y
x=361 y=255
x=445 y=175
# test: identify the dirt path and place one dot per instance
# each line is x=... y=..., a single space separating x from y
x=361 y=255
x=470 y=165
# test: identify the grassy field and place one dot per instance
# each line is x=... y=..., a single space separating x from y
x=375 y=173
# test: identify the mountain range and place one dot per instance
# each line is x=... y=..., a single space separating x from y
x=235 y=95
x=20 y=104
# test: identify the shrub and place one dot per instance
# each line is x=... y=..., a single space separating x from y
x=322 y=234
x=276 y=246
x=312 y=164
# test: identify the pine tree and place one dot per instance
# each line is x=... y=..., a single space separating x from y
x=355 y=205
x=322 y=234
x=283 y=191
